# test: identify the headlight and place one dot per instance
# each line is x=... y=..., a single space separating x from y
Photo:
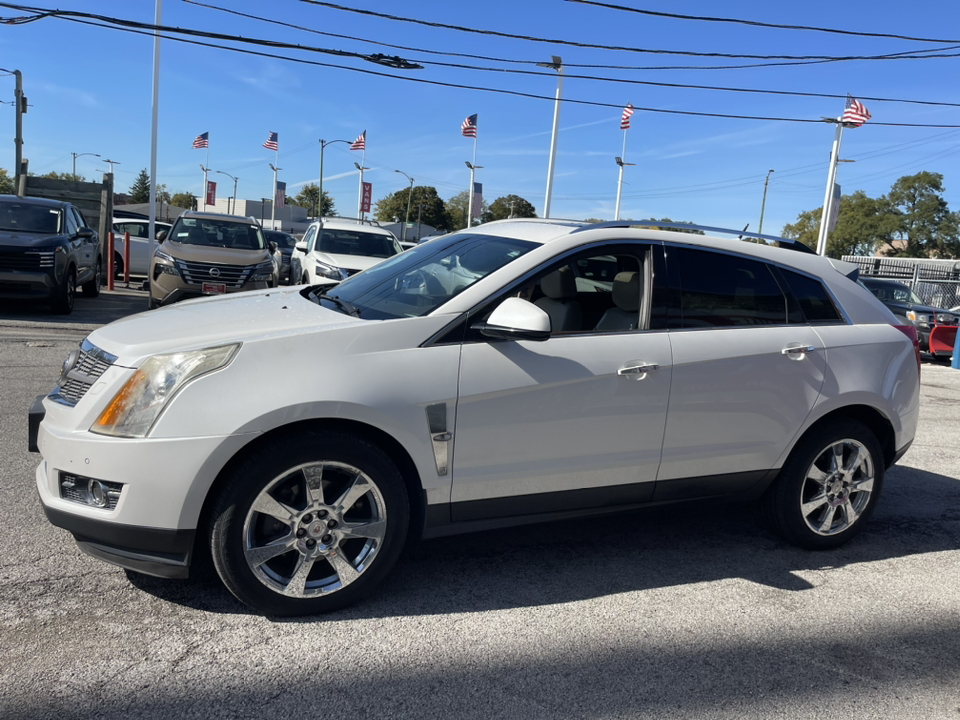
x=142 y=398
x=328 y=271
x=161 y=255
x=946 y=319
x=263 y=271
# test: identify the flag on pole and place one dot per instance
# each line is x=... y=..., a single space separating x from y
x=469 y=126
x=361 y=142
x=272 y=142
x=202 y=141
x=855 y=112
x=281 y=198
x=625 y=118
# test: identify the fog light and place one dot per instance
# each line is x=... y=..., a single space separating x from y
x=89 y=491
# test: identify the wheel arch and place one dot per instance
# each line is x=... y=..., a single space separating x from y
x=386 y=442
x=878 y=423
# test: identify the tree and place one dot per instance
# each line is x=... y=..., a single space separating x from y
x=650 y=224
x=425 y=203
x=64 y=176
x=6 y=183
x=140 y=190
x=163 y=195
x=457 y=207
x=184 y=200
x=509 y=206
x=307 y=198
x=594 y=220
x=927 y=228
x=863 y=223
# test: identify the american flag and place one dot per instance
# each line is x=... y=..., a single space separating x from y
x=281 y=198
x=625 y=118
x=202 y=141
x=855 y=113
x=272 y=142
x=469 y=126
x=361 y=142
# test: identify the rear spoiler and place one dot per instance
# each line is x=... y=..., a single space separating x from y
x=851 y=270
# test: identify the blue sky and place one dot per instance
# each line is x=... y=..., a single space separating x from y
x=90 y=92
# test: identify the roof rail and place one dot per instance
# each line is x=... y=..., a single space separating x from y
x=361 y=221
x=655 y=224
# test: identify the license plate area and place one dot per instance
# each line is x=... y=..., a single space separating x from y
x=209 y=288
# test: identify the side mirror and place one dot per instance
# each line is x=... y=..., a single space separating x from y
x=301 y=246
x=85 y=233
x=273 y=246
x=516 y=319
x=161 y=236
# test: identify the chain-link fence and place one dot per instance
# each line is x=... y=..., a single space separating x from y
x=936 y=282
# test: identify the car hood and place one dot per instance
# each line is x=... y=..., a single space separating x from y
x=206 y=322
x=212 y=254
x=355 y=263
x=22 y=239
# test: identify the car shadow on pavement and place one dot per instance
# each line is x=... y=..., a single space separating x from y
x=103 y=309
x=561 y=562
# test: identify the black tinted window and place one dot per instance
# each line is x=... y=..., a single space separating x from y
x=725 y=290
x=812 y=296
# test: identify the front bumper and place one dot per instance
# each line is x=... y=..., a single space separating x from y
x=166 y=294
x=22 y=285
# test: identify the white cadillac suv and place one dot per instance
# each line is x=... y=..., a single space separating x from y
x=522 y=370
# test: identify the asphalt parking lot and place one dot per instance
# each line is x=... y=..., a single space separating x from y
x=688 y=613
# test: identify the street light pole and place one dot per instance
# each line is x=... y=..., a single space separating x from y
x=406 y=218
x=360 y=194
x=273 y=203
x=76 y=155
x=473 y=169
x=557 y=64
x=234 y=191
x=323 y=144
x=763 y=205
x=621 y=163
x=205 y=171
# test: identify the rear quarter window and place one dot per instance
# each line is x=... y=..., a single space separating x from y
x=813 y=298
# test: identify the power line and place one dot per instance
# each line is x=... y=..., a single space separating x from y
x=572 y=43
x=757 y=23
x=106 y=23
x=905 y=55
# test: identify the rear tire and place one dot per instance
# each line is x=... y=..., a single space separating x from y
x=829 y=486
x=310 y=523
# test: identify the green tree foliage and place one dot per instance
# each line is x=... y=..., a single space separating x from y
x=307 y=198
x=863 y=223
x=163 y=195
x=509 y=206
x=912 y=220
x=6 y=183
x=63 y=176
x=184 y=200
x=457 y=207
x=927 y=228
x=423 y=199
x=140 y=190
x=594 y=220
x=650 y=224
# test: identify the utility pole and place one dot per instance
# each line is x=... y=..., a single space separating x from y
x=21 y=107
x=763 y=205
x=557 y=64
x=406 y=218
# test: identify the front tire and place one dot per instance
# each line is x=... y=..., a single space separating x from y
x=829 y=486
x=66 y=294
x=91 y=288
x=310 y=523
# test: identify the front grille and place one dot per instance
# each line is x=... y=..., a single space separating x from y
x=91 y=363
x=26 y=260
x=234 y=276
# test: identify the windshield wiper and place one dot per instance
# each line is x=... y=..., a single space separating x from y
x=342 y=304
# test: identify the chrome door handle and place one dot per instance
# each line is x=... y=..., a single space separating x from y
x=797 y=351
x=638 y=370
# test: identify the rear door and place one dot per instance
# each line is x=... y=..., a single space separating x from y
x=747 y=370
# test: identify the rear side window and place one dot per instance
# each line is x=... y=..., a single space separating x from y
x=721 y=290
x=813 y=297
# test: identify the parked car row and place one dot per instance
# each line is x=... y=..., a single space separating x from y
x=47 y=251
x=937 y=328
x=519 y=371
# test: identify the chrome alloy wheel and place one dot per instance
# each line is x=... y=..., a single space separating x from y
x=314 y=529
x=837 y=487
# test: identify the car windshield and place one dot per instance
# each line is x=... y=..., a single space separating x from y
x=283 y=240
x=888 y=292
x=217 y=233
x=29 y=218
x=357 y=242
x=423 y=278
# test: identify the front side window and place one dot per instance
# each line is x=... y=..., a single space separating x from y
x=356 y=242
x=720 y=290
x=26 y=217
x=72 y=226
x=308 y=238
x=217 y=233
x=416 y=282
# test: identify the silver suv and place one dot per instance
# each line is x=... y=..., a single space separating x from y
x=210 y=254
